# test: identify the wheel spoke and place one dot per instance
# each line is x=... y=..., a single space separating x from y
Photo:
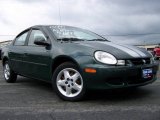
x=7 y=67
x=75 y=76
x=66 y=74
x=61 y=82
x=8 y=73
x=68 y=90
x=77 y=87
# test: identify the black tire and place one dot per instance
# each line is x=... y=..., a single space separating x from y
x=68 y=82
x=12 y=77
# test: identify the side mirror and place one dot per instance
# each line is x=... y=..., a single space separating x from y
x=39 y=40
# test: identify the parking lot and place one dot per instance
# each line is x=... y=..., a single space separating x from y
x=29 y=99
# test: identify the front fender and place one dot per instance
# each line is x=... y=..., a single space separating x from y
x=84 y=60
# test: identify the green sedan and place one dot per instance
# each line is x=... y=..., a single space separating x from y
x=74 y=60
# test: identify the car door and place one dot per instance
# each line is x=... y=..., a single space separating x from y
x=37 y=58
x=16 y=52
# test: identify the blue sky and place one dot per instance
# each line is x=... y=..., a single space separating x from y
x=106 y=17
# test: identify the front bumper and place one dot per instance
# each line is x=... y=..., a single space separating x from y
x=109 y=77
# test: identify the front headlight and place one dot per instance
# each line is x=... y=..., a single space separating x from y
x=105 y=57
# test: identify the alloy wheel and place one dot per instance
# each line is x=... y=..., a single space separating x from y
x=69 y=82
x=6 y=71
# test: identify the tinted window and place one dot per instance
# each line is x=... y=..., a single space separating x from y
x=21 y=39
x=34 y=35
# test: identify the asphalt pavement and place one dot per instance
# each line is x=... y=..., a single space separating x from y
x=29 y=99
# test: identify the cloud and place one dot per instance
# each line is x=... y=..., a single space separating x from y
x=32 y=1
x=116 y=17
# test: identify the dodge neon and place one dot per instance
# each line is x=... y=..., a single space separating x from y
x=74 y=60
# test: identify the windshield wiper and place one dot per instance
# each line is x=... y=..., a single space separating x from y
x=70 y=39
x=98 y=40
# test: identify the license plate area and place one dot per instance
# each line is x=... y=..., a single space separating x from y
x=147 y=73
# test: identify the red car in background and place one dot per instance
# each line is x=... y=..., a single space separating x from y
x=156 y=52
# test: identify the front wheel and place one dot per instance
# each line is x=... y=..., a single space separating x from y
x=8 y=74
x=68 y=82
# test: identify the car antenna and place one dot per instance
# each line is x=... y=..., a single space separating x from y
x=60 y=20
x=59 y=13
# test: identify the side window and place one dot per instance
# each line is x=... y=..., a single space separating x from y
x=34 y=35
x=21 y=39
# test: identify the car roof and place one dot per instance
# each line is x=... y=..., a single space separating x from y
x=48 y=25
x=40 y=26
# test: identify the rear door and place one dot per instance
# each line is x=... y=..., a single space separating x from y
x=16 y=52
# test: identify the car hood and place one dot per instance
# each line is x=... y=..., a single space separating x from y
x=118 y=50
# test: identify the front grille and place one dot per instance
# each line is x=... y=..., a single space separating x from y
x=130 y=80
x=139 y=61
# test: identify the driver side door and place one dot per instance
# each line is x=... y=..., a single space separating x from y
x=37 y=58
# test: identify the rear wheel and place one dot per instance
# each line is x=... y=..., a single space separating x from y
x=9 y=74
x=68 y=82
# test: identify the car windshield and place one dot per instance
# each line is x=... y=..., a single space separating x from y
x=67 y=33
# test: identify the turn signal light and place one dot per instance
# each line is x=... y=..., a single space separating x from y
x=90 y=70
